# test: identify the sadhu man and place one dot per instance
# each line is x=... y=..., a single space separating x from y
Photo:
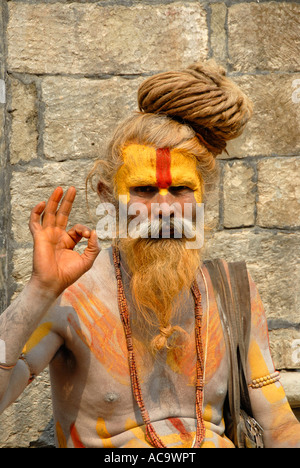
x=133 y=335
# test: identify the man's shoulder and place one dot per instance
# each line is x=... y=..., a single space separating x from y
x=103 y=267
x=98 y=282
x=224 y=261
x=103 y=263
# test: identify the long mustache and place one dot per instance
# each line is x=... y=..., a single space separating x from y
x=163 y=228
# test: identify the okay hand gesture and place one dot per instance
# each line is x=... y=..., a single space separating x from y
x=55 y=264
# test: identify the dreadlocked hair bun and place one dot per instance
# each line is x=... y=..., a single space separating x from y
x=202 y=97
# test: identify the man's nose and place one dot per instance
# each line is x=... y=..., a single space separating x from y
x=163 y=204
x=164 y=195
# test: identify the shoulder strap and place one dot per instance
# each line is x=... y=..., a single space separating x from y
x=242 y=306
x=234 y=306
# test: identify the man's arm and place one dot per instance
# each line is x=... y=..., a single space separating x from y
x=270 y=406
x=37 y=353
x=17 y=324
x=55 y=267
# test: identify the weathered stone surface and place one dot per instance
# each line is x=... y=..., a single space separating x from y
x=239 y=195
x=94 y=39
x=291 y=384
x=278 y=192
x=218 y=33
x=3 y=279
x=285 y=348
x=26 y=420
x=23 y=109
x=212 y=204
x=38 y=183
x=2 y=137
x=264 y=36
x=275 y=125
x=81 y=114
x=2 y=46
x=4 y=217
x=273 y=261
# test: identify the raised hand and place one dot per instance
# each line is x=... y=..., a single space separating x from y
x=55 y=264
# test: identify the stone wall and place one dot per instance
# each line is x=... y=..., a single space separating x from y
x=69 y=71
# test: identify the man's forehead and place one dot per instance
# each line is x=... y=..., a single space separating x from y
x=137 y=155
x=162 y=167
x=134 y=153
x=154 y=162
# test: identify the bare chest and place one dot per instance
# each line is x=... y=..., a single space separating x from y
x=93 y=398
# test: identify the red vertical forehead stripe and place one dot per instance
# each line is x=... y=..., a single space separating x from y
x=163 y=168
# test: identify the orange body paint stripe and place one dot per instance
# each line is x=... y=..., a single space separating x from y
x=105 y=335
x=179 y=426
x=163 y=168
x=75 y=437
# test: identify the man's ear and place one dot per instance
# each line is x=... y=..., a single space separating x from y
x=104 y=191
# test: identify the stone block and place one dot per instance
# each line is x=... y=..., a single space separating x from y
x=38 y=183
x=92 y=39
x=212 y=204
x=285 y=349
x=218 y=38
x=26 y=420
x=264 y=36
x=291 y=384
x=278 y=186
x=273 y=261
x=239 y=195
x=24 y=115
x=3 y=279
x=4 y=220
x=2 y=43
x=81 y=114
x=275 y=125
x=3 y=156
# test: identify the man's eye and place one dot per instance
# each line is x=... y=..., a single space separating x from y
x=145 y=189
x=179 y=188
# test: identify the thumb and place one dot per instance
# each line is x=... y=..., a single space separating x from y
x=92 y=250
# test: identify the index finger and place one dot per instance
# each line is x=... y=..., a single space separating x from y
x=35 y=217
x=65 y=208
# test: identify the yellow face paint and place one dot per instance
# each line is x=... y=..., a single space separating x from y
x=162 y=167
x=184 y=172
x=138 y=168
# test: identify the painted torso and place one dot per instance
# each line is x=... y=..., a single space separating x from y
x=92 y=396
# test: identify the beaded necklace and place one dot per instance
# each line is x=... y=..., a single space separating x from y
x=151 y=435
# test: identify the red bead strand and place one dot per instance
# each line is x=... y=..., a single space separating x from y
x=151 y=435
